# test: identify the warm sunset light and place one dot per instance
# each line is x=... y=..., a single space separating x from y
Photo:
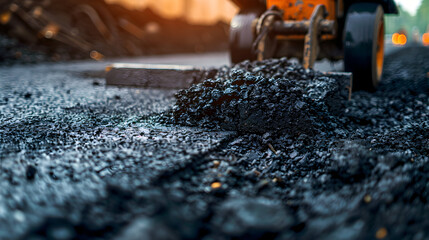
x=195 y=11
x=214 y=119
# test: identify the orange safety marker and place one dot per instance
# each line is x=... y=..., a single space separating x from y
x=425 y=39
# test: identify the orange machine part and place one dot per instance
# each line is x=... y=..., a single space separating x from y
x=298 y=10
x=302 y=9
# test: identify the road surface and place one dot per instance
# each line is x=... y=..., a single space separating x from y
x=80 y=160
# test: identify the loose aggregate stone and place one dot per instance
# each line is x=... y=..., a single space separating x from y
x=87 y=165
x=346 y=178
x=258 y=97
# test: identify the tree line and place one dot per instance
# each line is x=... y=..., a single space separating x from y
x=409 y=23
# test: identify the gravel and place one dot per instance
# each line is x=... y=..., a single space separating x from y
x=80 y=163
x=259 y=97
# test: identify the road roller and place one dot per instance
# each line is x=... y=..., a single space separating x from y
x=310 y=30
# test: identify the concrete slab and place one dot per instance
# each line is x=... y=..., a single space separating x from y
x=152 y=75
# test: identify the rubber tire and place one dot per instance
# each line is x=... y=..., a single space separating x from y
x=361 y=38
x=241 y=37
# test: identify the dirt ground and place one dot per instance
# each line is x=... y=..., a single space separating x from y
x=82 y=161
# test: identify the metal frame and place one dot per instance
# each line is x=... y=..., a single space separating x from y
x=314 y=45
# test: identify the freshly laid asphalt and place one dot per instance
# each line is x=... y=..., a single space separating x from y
x=81 y=160
x=59 y=127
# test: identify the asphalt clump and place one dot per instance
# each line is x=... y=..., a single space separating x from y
x=344 y=177
x=258 y=97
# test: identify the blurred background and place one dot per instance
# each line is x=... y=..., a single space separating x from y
x=55 y=30
x=32 y=31
x=411 y=25
x=194 y=11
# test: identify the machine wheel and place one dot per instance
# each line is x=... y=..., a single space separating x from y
x=241 y=37
x=364 y=45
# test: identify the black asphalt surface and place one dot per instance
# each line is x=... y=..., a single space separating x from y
x=64 y=137
x=80 y=160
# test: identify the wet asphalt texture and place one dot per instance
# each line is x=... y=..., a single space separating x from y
x=80 y=160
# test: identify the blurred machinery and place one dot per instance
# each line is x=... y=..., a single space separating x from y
x=352 y=30
x=86 y=27
x=96 y=28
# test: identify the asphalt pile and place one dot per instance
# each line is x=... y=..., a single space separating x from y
x=259 y=97
x=343 y=179
x=80 y=161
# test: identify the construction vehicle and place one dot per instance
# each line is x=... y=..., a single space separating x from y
x=309 y=30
